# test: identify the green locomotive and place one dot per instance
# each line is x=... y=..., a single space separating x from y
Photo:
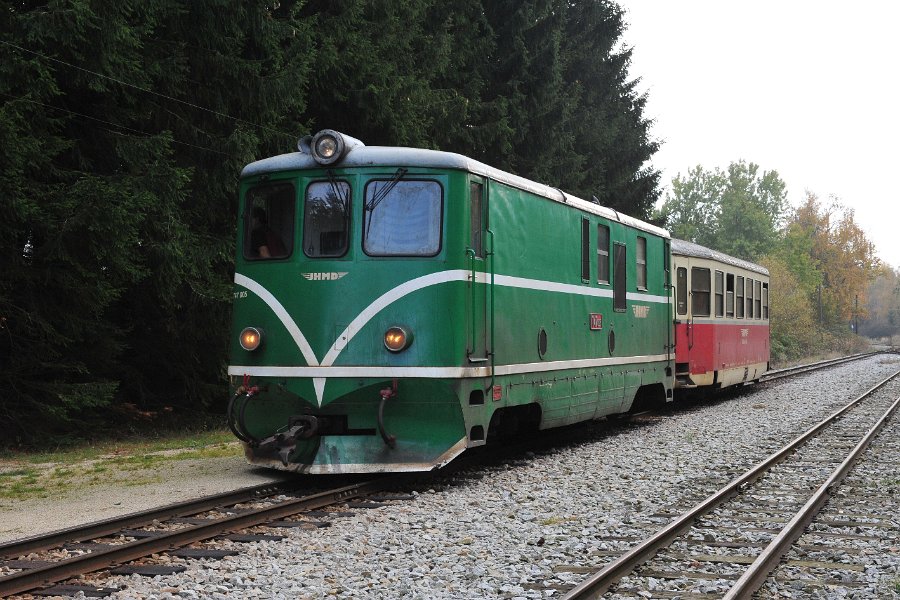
x=395 y=306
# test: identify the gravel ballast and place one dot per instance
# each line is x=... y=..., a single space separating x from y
x=527 y=527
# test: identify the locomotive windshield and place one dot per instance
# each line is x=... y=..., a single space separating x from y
x=269 y=221
x=402 y=218
x=326 y=218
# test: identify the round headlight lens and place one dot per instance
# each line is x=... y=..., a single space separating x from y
x=397 y=339
x=327 y=147
x=251 y=338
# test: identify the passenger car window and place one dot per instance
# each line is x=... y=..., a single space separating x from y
x=402 y=218
x=749 y=298
x=729 y=295
x=700 y=292
x=326 y=219
x=720 y=294
x=681 y=290
x=757 y=299
x=269 y=221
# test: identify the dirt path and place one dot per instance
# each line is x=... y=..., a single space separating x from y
x=123 y=491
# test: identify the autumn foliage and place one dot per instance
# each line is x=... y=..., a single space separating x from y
x=820 y=262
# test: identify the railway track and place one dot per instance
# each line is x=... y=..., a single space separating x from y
x=32 y=564
x=799 y=369
x=729 y=543
x=35 y=563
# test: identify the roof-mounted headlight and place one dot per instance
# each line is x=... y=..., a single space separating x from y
x=328 y=146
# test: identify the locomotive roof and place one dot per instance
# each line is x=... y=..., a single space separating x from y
x=685 y=248
x=389 y=156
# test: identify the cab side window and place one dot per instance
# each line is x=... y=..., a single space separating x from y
x=642 y=263
x=269 y=221
x=585 y=251
x=476 y=216
x=602 y=254
x=620 y=278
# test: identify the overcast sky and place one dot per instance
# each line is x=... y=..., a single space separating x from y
x=810 y=89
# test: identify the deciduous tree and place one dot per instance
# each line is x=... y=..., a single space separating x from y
x=794 y=332
x=841 y=253
x=737 y=212
x=883 y=306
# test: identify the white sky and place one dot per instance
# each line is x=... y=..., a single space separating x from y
x=810 y=89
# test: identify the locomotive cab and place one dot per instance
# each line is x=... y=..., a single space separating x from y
x=348 y=321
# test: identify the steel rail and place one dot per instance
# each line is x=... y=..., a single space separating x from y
x=112 y=525
x=38 y=577
x=771 y=556
x=799 y=369
x=600 y=582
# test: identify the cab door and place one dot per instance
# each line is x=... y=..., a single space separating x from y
x=479 y=280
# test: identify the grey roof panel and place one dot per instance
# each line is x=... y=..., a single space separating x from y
x=683 y=248
x=388 y=156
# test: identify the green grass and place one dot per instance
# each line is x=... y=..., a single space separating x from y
x=96 y=450
x=132 y=462
x=18 y=473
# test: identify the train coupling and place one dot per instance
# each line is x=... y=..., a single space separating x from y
x=283 y=443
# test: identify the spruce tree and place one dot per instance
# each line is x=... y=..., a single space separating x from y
x=124 y=126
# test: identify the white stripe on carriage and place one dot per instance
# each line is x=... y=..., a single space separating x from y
x=403 y=290
x=440 y=372
x=568 y=288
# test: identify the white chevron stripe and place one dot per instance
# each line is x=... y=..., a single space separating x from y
x=321 y=371
x=388 y=298
x=282 y=314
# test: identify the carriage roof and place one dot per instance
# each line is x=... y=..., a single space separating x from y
x=389 y=156
x=684 y=248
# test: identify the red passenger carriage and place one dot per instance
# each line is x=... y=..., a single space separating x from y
x=721 y=318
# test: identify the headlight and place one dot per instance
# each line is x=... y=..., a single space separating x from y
x=397 y=339
x=327 y=147
x=251 y=338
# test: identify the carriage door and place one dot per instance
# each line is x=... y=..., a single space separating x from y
x=479 y=278
x=681 y=307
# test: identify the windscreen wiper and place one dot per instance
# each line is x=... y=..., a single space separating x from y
x=379 y=195
x=336 y=189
